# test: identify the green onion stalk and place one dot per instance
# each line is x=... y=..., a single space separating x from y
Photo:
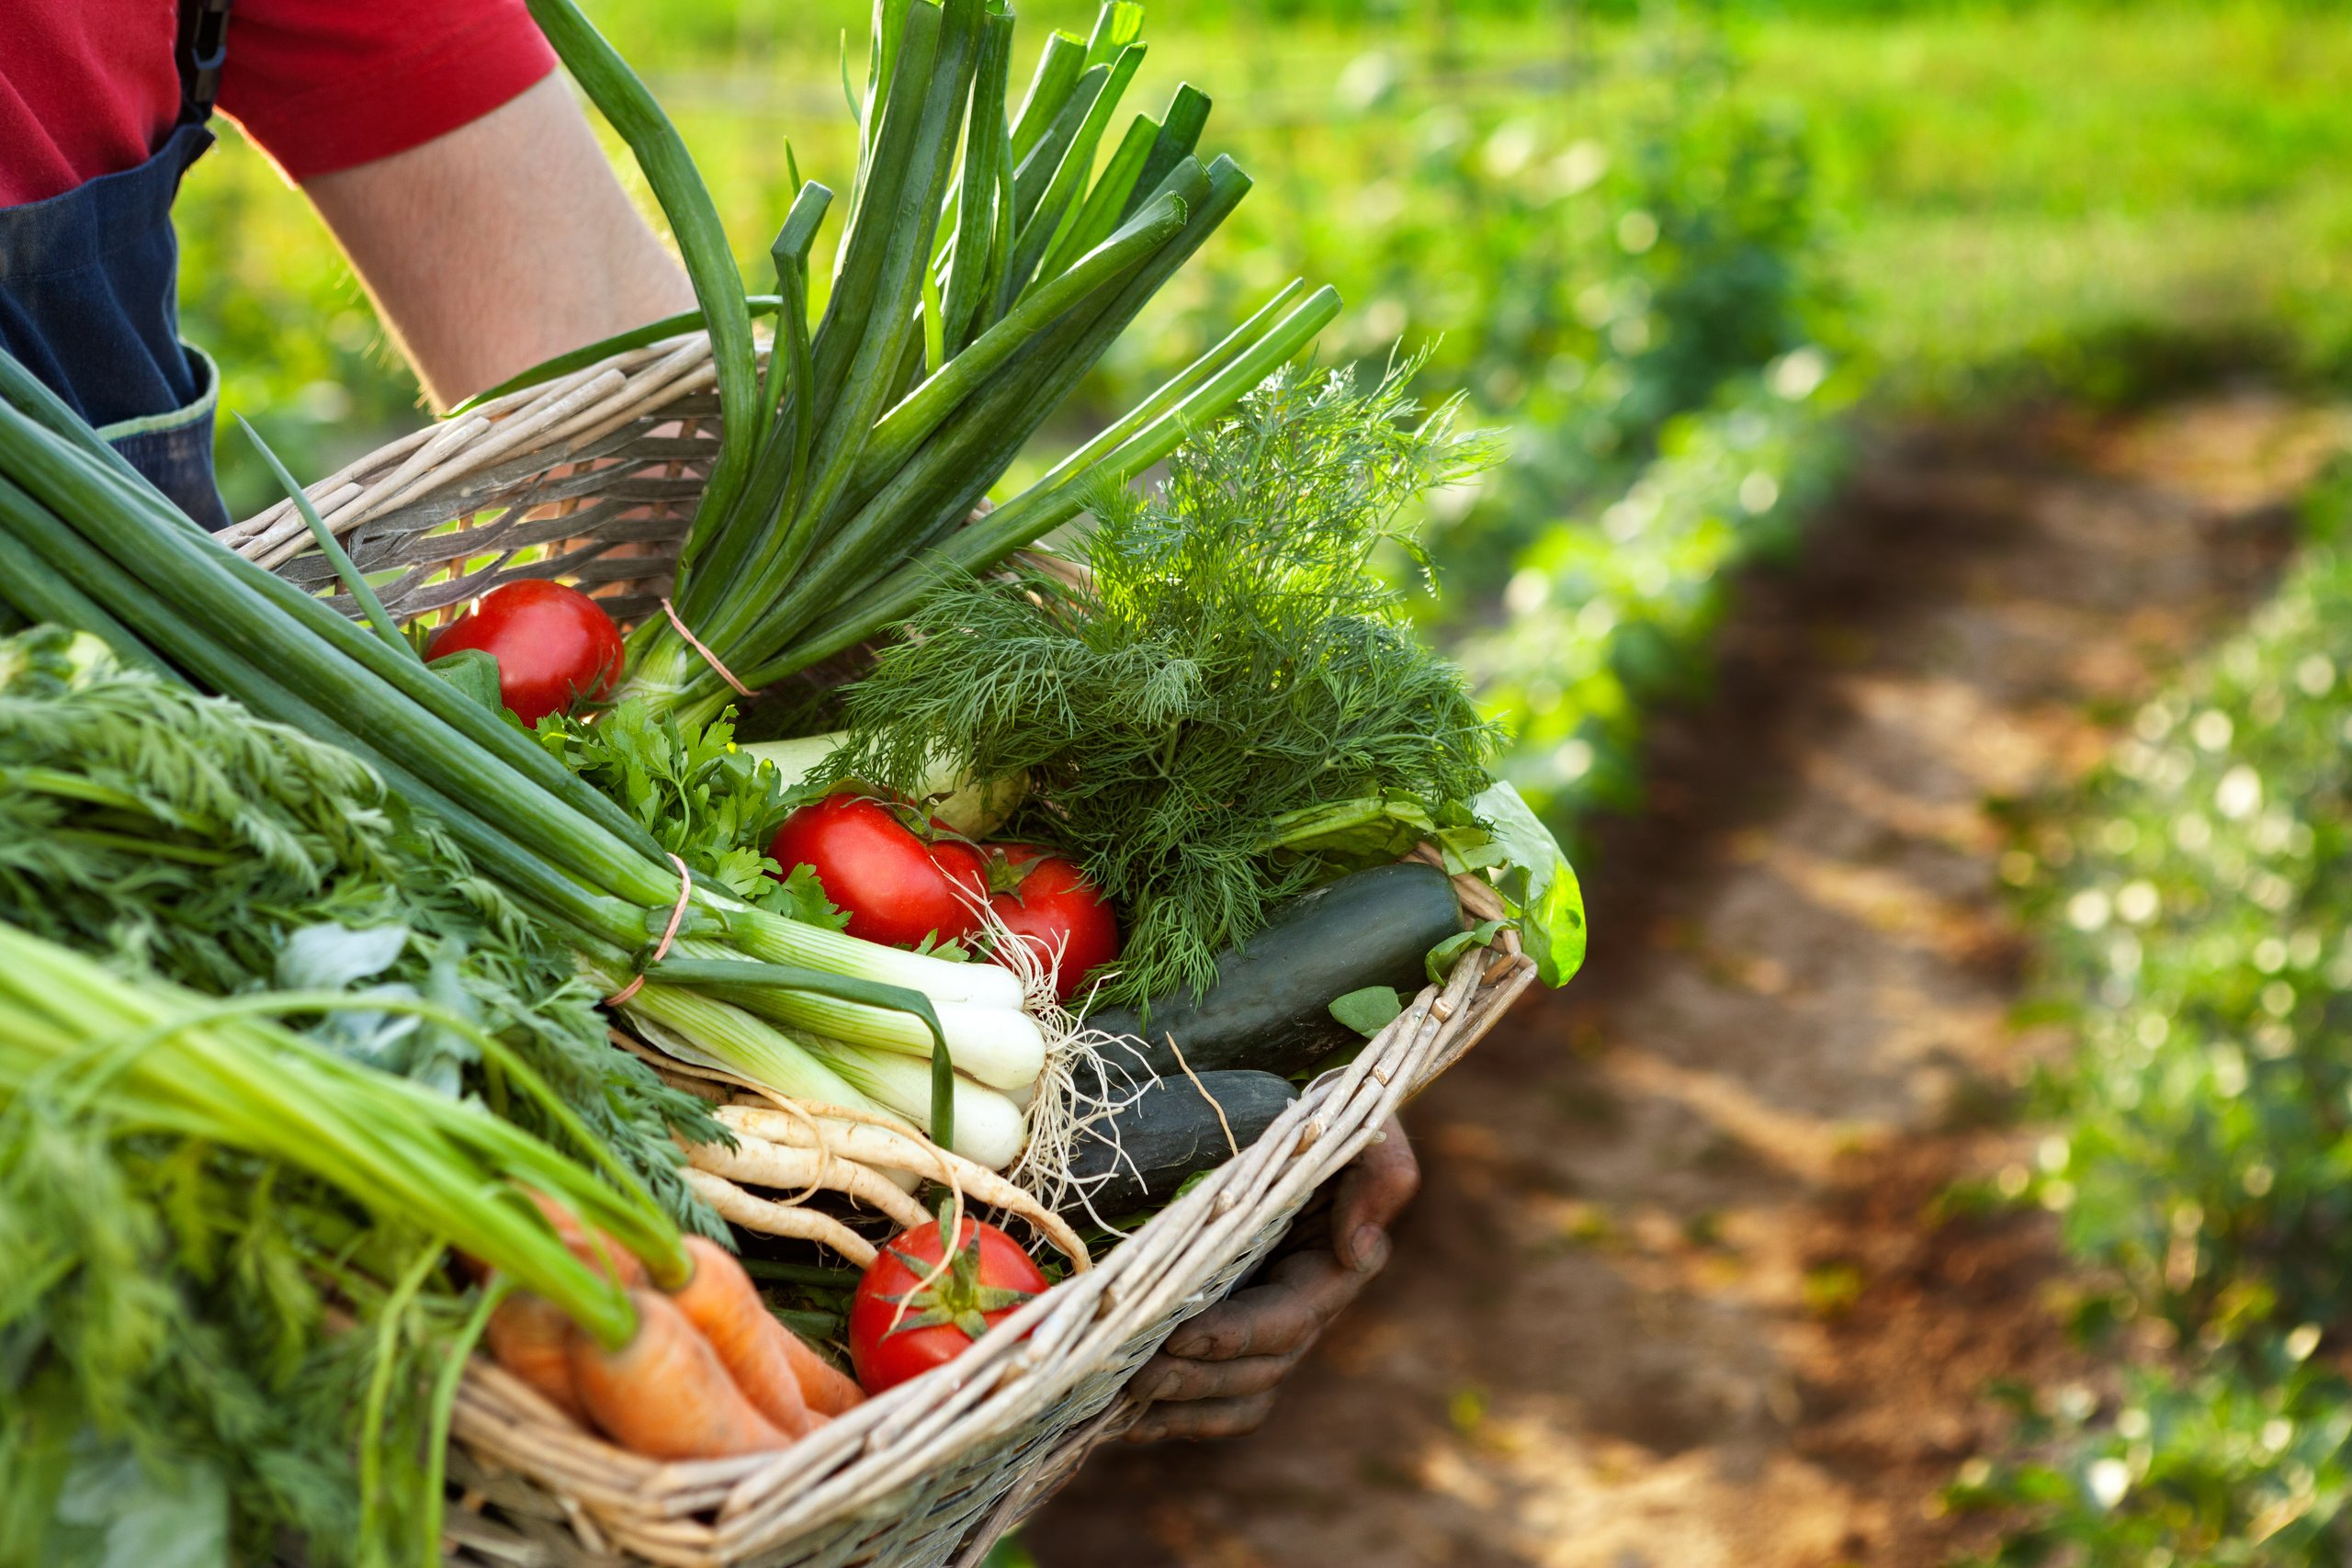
x=984 y=268
x=87 y=543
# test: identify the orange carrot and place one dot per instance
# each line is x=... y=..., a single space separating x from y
x=594 y=1249
x=530 y=1336
x=666 y=1394
x=720 y=1300
x=828 y=1391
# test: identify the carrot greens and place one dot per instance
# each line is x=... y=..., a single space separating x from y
x=168 y=832
x=191 y=1195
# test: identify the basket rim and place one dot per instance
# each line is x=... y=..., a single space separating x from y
x=552 y=422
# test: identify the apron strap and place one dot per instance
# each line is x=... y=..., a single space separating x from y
x=203 y=49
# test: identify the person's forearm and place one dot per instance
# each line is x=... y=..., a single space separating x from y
x=502 y=243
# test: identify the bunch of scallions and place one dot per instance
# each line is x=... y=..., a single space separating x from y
x=86 y=543
x=983 y=269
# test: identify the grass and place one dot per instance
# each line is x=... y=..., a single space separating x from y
x=2090 y=199
x=2059 y=196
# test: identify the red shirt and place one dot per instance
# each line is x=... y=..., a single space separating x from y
x=91 y=87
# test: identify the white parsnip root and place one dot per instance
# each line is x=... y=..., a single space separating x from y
x=801 y=1146
x=732 y=1203
x=868 y=1141
x=755 y=1161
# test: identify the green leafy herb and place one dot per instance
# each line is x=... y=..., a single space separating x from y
x=175 y=834
x=714 y=806
x=1532 y=875
x=1440 y=961
x=1234 y=666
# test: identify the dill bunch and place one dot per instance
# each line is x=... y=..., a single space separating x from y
x=1232 y=665
x=174 y=834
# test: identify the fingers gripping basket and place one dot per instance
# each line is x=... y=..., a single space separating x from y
x=594 y=478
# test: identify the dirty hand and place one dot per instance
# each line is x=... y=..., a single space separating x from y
x=1216 y=1375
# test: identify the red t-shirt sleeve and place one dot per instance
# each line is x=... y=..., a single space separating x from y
x=326 y=84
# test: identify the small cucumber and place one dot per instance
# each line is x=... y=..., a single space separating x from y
x=1168 y=1133
x=1270 y=1008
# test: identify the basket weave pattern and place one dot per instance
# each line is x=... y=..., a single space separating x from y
x=594 y=478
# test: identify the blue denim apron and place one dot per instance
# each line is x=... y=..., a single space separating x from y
x=89 y=299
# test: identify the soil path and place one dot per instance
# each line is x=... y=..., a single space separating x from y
x=1677 y=1293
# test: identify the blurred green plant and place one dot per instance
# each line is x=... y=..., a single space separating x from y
x=2227 y=1468
x=1586 y=281
x=2197 y=910
x=1597 y=242
x=1611 y=610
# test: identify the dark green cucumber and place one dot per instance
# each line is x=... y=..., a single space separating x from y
x=1142 y=1153
x=1270 y=1008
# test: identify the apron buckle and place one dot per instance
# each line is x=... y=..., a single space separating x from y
x=204 y=48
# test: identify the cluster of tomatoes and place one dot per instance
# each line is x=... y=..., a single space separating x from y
x=904 y=881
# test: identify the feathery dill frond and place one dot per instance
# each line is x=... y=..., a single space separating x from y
x=1235 y=657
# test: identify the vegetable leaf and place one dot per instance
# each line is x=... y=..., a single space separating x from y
x=1445 y=955
x=1370 y=1010
x=329 y=957
x=114 y=1512
x=711 y=805
x=1537 y=882
x=474 y=672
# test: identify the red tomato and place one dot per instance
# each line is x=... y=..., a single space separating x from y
x=554 y=646
x=989 y=1276
x=1047 y=901
x=898 y=886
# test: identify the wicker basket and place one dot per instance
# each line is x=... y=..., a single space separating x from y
x=594 y=477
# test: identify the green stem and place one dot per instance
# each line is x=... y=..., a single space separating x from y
x=379 y=1383
x=624 y=101
x=452 y=1372
x=361 y=591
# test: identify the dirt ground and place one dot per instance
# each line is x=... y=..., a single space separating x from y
x=1677 y=1293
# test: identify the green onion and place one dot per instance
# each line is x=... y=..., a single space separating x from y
x=985 y=267
x=617 y=94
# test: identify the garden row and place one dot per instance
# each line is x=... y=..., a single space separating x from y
x=2195 y=905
